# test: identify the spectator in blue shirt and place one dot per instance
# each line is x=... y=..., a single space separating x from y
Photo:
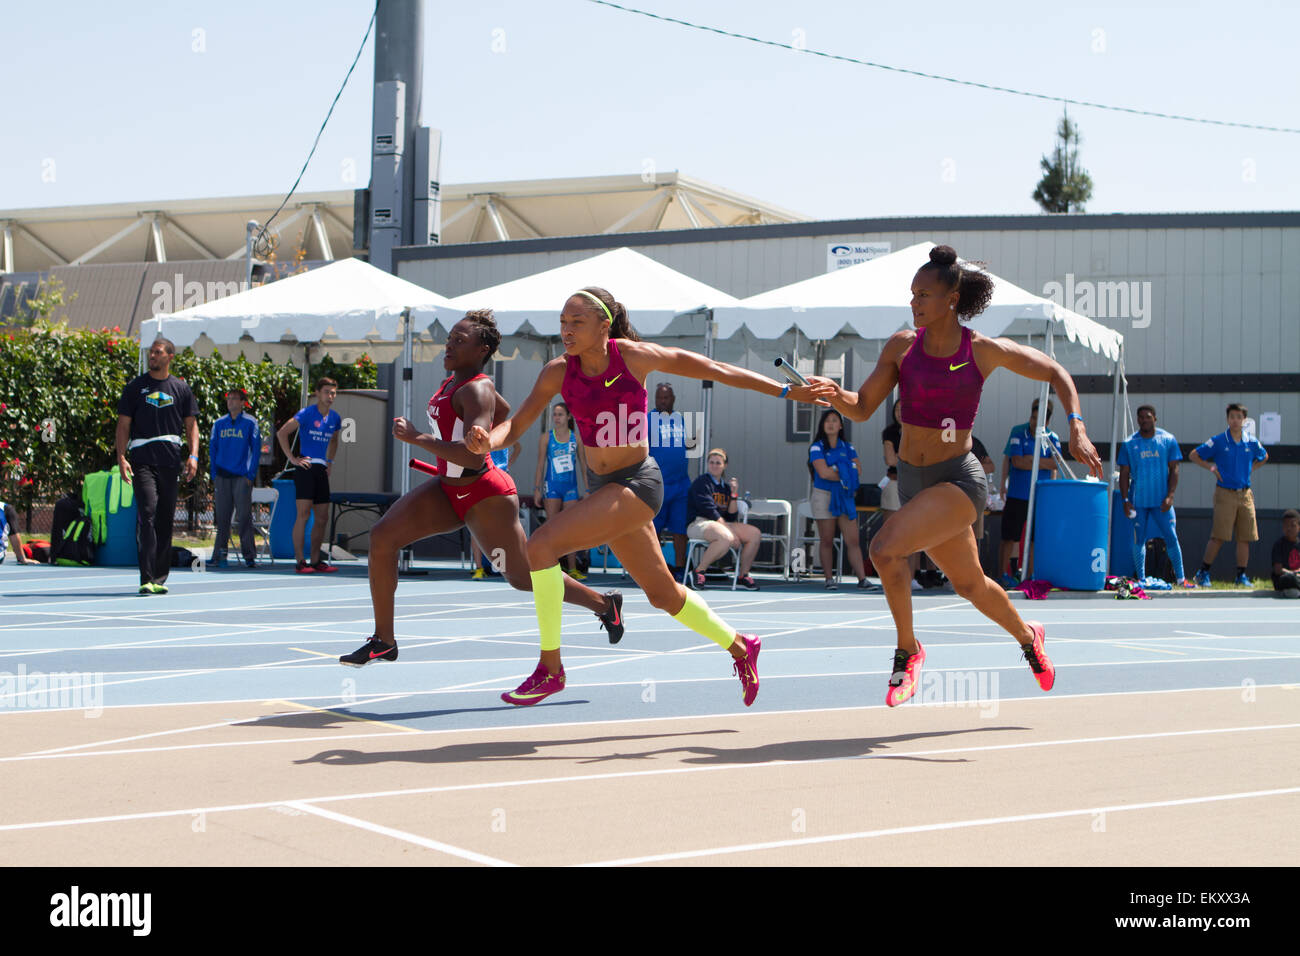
x=714 y=508
x=834 y=466
x=318 y=427
x=234 y=450
x=1148 y=474
x=669 y=443
x=1231 y=457
x=1017 y=460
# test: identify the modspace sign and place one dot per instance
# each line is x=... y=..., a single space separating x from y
x=841 y=255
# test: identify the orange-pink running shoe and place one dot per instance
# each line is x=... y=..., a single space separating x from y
x=906 y=676
x=746 y=668
x=538 y=687
x=1036 y=656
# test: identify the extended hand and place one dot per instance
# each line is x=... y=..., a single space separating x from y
x=818 y=391
x=403 y=430
x=477 y=440
x=1082 y=450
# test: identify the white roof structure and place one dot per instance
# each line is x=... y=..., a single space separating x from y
x=653 y=293
x=322 y=222
x=349 y=299
x=872 y=300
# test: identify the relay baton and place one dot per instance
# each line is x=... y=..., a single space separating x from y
x=423 y=466
x=789 y=372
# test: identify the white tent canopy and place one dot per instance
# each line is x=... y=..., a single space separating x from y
x=350 y=299
x=872 y=300
x=653 y=293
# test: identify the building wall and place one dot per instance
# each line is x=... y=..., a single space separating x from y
x=1223 y=297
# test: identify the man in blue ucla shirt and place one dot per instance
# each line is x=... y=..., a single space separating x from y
x=317 y=426
x=233 y=453
x=1231 y=456
x=668 y=446
x=1148 y=474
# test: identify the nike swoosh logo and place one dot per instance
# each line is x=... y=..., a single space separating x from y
x=373 y=655
x=519 y=696
x=614 y=379
x=953 y=368
x=465 y=495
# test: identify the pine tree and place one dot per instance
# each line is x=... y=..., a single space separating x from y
x=1065 y=185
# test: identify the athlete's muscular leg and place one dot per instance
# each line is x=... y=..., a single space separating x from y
x=494 y=523
x=421 y=512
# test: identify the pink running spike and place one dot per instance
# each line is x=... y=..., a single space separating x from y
x=907 y=673
x=746 y=668
x=1036 y=655
x=538 y=687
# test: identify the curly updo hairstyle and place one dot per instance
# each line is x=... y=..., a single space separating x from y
x=974 y=287
x=488 y=334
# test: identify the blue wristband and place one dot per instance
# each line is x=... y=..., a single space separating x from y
x=784 y=391
x=1072 y=417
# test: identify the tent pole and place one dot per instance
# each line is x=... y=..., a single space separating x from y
x=708 y=385
x=306 y=373
x=1112 y=469
x=1040 y=436
x=406 y=554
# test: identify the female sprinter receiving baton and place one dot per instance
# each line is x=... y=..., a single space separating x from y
x=602 y=378
x=940 y=369
x=469 y=491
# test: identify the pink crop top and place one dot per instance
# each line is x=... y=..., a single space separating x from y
x=609 y=409
x=940 y=392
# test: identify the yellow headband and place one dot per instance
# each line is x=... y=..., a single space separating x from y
x=596 y=299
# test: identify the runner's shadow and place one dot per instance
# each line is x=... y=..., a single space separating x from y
x=486 y=751
x=336 y=717
x=798 y=751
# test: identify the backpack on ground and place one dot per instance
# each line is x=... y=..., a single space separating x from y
x=71 y=541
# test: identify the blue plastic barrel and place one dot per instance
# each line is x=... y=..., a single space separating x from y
x=286 y=513
x=1070 y=547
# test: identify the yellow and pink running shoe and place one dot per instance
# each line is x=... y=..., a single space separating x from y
x=746 y=668
x=1036 y=656
x=906 y=676
x=538 y=687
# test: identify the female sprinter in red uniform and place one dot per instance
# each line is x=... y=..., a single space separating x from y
x=940 y=369
x=602 y=378
x=469 y=490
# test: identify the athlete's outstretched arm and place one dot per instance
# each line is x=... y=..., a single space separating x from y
x=646 y=357
x=1033 y=364
x=510 y=431
x=878 y=386
x=476 y=406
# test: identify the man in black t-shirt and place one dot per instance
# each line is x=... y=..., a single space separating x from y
x=1286 y=556
x=155 y=410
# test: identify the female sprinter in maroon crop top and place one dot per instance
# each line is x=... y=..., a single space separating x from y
x=602 y=378
x=468 y=491
x=940 y=369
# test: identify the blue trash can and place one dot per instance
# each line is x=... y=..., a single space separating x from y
x=286 y=513
x=1070 y=547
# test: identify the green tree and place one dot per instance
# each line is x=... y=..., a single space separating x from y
x=1065 y=186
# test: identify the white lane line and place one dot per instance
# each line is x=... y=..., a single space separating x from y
x=627 y=774
x=950 y=825
x=398 y=834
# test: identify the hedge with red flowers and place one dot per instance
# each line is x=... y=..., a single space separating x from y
x=59 y=391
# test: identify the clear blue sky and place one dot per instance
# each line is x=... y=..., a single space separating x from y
x=154 y=101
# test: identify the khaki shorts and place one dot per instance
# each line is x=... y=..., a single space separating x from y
x=1234 y=510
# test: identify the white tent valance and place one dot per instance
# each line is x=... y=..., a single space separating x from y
x=871 y=300
x=653 y=293
x=349 y=299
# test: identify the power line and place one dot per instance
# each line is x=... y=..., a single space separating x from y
x=261 y=245
x=946 y=79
